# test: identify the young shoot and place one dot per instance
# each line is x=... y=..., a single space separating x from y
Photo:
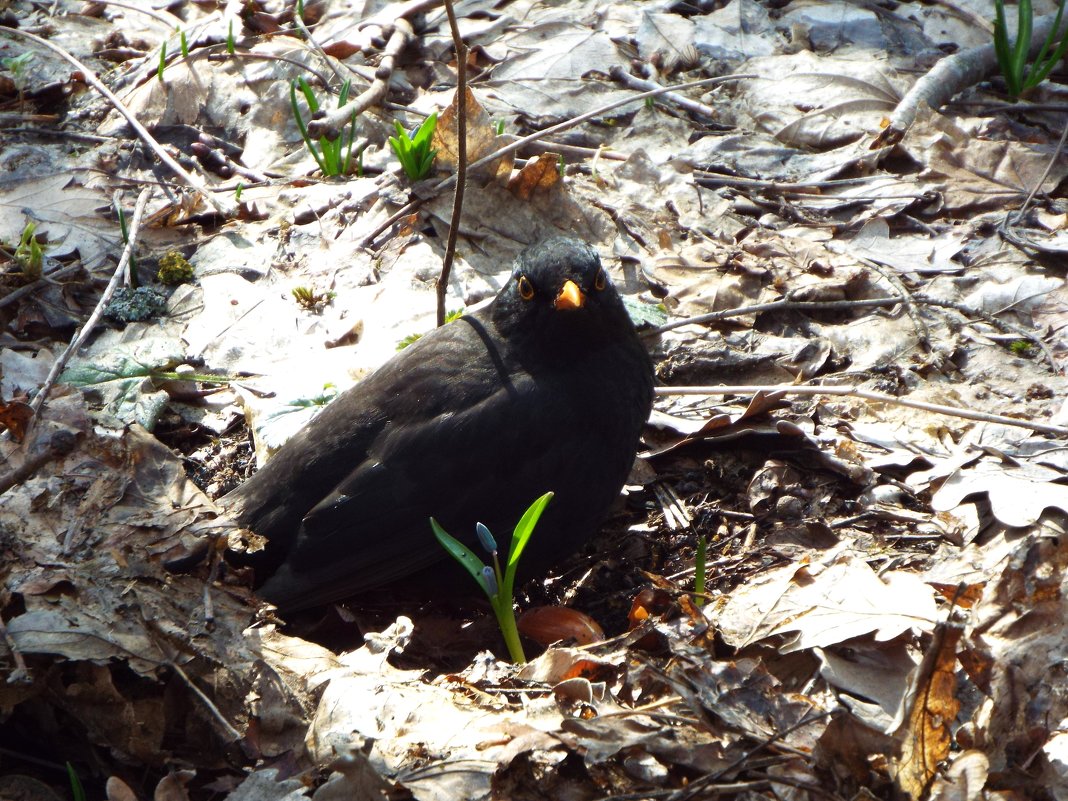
x=334 y=156
x=413 y=150
x=497 y=584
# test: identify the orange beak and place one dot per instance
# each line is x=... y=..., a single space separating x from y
x=570 y=296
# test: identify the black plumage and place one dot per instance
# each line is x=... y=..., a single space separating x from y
x=546 y=388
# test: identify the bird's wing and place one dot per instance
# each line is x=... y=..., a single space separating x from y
x=410 y=389
x=374 y=526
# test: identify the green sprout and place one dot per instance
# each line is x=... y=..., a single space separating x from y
x=238 y=190
x=28 y=254
x=1013 y=58
x=184 y=43
x=328 y=155
x=311 y=300
x=18 y=66
x=561 y=167
x=322 y=399
x=1020 y=347
x=455 y=314
x=230 y=39
x=414 y=151
x=700 y=569
x=497 y=586
x=162 y=61
x=498 y=127
x=76 y=789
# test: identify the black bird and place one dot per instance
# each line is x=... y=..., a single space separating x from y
x=546 y=388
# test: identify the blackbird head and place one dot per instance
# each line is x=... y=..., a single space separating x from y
x=559 y=295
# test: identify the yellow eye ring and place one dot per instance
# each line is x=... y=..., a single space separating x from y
x=601 y=281
x=526 y=289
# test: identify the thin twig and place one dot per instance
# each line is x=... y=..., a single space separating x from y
x=461 y=160
x=893 y=278
x=589 y=115
x=224 y=208
x=169 y=22
x=332 y=122
x=774 y=305
x=706 y=178
x=61 y=443
x=1010 y=218
x=951 y=75
x=617 y=73
x=318 y=48
x=838 y=305
x=98 y=312
x=233 y=734
x=165 y=645
x=552 y=129
x=878 y=397
x=44 y=280
x=709 y=779
x=799 y=784
x=997 y=322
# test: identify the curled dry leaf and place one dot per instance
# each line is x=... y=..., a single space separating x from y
x=538 y=175
x=548 y=624
x=15 y=417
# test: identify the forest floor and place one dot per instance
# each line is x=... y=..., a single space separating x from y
x=855 y=305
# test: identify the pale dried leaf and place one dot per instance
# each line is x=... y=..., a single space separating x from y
x=828 y=603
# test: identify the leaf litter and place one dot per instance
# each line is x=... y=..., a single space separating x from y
x=883 y=606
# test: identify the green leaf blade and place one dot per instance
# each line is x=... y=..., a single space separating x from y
x=460 y=552
x=521 y=536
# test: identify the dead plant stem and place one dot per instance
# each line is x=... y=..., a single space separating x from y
x=318 y=48
x=98 y=312
x=47 y=278
x=838 y=305
x=947 y=78
x=1010 y=218
x=225 y=208
x=461 y=160
x=332 y=122
x=228 y=730
x=833 y=305
x=589 y=115
x=620 y=75
x=877 y=397
x=168 y=22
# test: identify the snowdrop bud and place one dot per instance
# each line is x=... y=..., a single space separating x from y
x=486 y=538
x=489 y=580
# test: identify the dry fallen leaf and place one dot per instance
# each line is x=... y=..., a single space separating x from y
x=926 y=735
x=482 y=140
x=538 y=175
x=15 y=417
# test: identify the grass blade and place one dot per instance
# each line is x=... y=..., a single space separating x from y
x=302 y=127
x=1046 y=61
x=1023 y=41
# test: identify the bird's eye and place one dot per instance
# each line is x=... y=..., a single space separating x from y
x=601 y=280
x=526 y=289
